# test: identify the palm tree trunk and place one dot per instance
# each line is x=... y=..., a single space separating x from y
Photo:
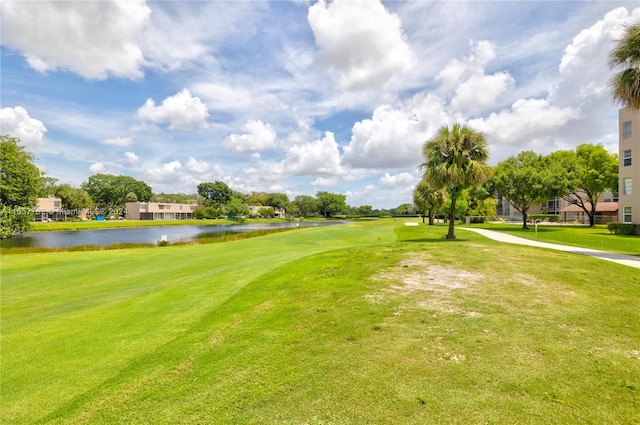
x=431 y=214
x=452 y=216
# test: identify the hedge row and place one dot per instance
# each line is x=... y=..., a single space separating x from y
x=623 y=228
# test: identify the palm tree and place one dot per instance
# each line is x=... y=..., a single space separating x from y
x=426 y=198
x=455 y=159
x=624 y=59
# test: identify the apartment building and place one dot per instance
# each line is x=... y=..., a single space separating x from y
x=277 y=212
x=159 y=211
x=629 y=171
x=49 y=208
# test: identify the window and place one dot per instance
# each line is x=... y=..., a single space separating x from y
x=626 y=186
x=626 y=214
x=626 y=158
x=626 y=130
x=56 y=204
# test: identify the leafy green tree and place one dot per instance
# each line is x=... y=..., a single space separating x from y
x=365 y=210
x=72 y=198
x=307 y=205
x=175 y=198
x=277 y=200
x=480 y=203
x=522 y=180
x=20 y=184
x=331 y=204
x=624 y=60
x=428 y=199
x=456 y=159
x=404 y=209
x=266 y=212
x=48 y=186
x=257 y=198
x=110 y=191
x=291 y=209
x=237 y=207
x=215 y=194
x=585 y=174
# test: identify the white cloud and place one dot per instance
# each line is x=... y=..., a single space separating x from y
x=360 y=41
x=94 y=39
x=131 y=159
x=198 y=167
x=325 y=182
x=181 y=111
x=396 y=181
x=258 y=137
x=118 y=141
x=320 y=157
x=528 y=124
x=16 y=122
x=393 y=136
x=181 y=34
x=99 y=168
x=174 y=176
x=473 y=90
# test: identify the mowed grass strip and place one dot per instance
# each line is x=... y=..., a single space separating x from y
x=597 y=237
x=347 y=325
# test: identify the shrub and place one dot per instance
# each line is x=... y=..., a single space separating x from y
x=623 y=228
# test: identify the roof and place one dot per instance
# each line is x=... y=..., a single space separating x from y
x=600 y=207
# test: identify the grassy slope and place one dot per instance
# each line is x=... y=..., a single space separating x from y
x=317 y=326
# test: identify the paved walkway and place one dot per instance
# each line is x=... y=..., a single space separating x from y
x=627 y=260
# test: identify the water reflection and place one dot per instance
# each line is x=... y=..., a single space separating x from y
x=103 y=237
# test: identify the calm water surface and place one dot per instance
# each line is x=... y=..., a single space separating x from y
x=140 y=234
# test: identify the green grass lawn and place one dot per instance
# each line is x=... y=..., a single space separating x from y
x=365 y=323
x=597 y=237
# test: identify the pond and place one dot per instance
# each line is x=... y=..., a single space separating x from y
x=176 y=233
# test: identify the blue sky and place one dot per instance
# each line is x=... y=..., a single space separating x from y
x=300 y=96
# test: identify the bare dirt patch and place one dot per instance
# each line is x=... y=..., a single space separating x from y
x=430 y=285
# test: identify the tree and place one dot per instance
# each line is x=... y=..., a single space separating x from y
x=585 y=174
x=624 y=60
x=175 y=198
x=20 y=184
x=365 y=210
x=109 y=191
x=428 y=199
x=307 y=205
x=403 y=209
x=522 y=180
x=257 y=198
x=277 y=200
x=480 y=203
x=215 y=194
x=331 y=204
x=455 y=159
x=72 y=198
x=266 y=212
x=237 y=207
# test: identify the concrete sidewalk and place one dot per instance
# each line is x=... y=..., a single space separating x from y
x=627 y=260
